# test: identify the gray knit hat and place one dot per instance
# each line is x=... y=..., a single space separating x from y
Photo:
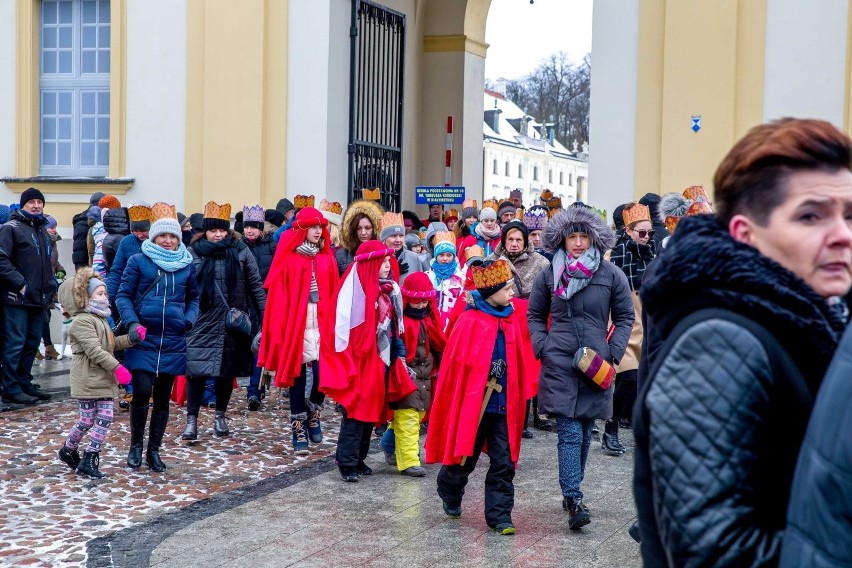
x=93 y=285
x=162 y=226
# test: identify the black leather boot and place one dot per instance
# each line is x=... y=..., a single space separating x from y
x=191 y=431
x=138 y=419
x=220 y=424
x=578 y=515
x=89 y=465
x=70 y=457
x=609 y=441
x=159 y=420
x=526 y=432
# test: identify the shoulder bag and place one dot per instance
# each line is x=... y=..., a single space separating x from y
x=589 y=362
x=236 y=320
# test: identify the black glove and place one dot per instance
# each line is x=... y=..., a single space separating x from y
x=397 y=349
x=133 y=334
x=403 y=267
x=255 y=343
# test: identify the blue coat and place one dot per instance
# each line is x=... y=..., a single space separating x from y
x=128 y=246
x=168 y=312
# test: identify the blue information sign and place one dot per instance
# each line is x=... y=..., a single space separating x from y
x=426 y=194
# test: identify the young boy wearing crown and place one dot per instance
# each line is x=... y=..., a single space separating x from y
x=480 y=398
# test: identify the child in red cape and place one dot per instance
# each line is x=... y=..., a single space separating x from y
x=301 y=284
x=484 y=347
x=363 y=370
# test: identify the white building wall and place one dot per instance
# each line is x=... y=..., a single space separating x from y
x=612 y=128
x=156 y=100
x=805 y=64
x=7 y=97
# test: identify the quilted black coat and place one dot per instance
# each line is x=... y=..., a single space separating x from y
x=117 y=226
x=720 y=419
x=211 y=350
x=263 y=251
x=819 y=520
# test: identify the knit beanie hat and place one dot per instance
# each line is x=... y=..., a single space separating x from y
x=164 y=220
x=5 y=212
x=506 y=207
x=274 y=217
x=182 y=219
x=489 y=213
x=195 y=221
x=442 y=247
x=412 y=240
x=94 y=213
x=284 y=205
x=29 y=194
x=51 y=222
x=216 y=216
x=93 y=285
x=518 y=226
x=109 y=202
x=96 y=196
x=391 y=224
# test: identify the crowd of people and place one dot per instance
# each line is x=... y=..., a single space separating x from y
x=707 y=326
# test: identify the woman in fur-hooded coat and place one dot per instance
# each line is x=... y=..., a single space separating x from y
x=349 y=230
x=570 y=306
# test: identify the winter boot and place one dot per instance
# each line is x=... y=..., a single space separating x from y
x=300 y=435
x=138 y=419
x=526 y=432
x=314 y=429
x=50 y=353
x=159 y=420
x=70 y=457
x=578 y=515
x=89 y=465
x=220 y=424
x=609 y=441
x=191 y=431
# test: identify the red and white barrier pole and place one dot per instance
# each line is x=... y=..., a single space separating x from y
x=448 y=158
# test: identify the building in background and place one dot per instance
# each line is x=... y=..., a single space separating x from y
x=521 y=153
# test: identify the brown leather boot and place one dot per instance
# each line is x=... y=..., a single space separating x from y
x=51 y=354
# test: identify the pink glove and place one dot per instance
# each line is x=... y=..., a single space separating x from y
x=141 y=330
x=122 y=375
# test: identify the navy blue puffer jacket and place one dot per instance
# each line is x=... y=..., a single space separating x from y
x=168 y=311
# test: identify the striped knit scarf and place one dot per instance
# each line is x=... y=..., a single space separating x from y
x=311 y=250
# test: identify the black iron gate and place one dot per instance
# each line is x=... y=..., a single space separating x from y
x=376 y=80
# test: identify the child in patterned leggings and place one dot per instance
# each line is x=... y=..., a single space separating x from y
x=94 y=370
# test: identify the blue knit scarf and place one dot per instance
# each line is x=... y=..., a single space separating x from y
x=168 y=260
x=482 y=305
x=444 y=271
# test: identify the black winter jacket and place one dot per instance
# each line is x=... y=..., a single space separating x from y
x=80 y=251
x=819 y=520
x=719 y=420
x=263 y=251
x=25 y=251
x=561 y=389
x=117 y=226
x=211 y=350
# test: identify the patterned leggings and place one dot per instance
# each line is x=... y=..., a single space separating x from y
x=88 y=409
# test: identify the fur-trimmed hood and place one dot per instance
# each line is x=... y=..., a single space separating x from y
x=80 y=288
x=369 y=208
x=577 y=219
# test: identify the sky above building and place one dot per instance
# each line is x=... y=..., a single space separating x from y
x=522 y=34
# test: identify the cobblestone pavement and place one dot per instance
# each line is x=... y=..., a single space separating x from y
x=48 y=513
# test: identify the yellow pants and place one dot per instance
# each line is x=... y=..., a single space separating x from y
x=406 y=431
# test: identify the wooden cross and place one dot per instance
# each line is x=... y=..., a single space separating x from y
x=491 y=386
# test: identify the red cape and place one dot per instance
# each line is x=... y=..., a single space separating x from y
x=461 y=387
x=288 y=285
x=355 y=377
x=471 y=240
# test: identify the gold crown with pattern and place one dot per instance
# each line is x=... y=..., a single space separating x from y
x=496 y=273
x=637 y=212
x=213 y=210
x=391 y=219
x=451 y=214
x=491 y=204
x=331 y=206
x=139 y=213
x=162 y=210
x=371 y=194
x=519 y=213
x=444 y=237
x=302 y=201
x=474 y=251
x=469 y=203
x=696 y=193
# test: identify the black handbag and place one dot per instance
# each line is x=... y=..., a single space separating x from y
x=119 y=328
x=236 y=320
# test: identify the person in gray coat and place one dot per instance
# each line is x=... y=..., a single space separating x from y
x=571 y=304
x=393 y=235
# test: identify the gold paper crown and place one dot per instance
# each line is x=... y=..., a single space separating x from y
x=444 y=237
x=498 y=272
x=162 y=210
x=700 y=208
x=696 y=193
x=451 y=214
x=331 y=206
x=371 y=194
x=636 y=213
x=490 y=204
x=391 y=219
x=469 y=203
x=213 y=210
x=474 y=251
x=139 y=213
x=671 y=223
x=546 y=195
x=519 y=213
x=302 y=201
x=554 y=202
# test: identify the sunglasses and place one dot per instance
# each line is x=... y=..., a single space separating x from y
x=643 y=233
